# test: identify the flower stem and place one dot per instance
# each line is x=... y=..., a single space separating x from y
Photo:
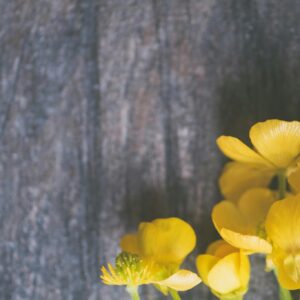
x=284 y=294
x=133 y=292
x=281 y=184
x=174 y=294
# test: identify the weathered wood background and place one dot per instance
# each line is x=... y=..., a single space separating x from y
x=109 y=114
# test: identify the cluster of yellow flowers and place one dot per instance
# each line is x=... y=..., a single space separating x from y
x=253 y=218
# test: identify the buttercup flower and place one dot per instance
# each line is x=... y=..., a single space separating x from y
x=283 y=229
x=241 y=224
x=238 y=177
x=225 y=270
x=276 y=143
x=132 y=270
x=153 y=256
x=166 y=241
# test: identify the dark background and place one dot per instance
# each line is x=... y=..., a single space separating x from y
x=109 y=111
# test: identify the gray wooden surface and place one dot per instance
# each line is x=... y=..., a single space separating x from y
x=109 y=111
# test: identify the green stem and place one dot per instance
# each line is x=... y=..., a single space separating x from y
x=281 y=184
x=174 y=294
x=133 y=292
x=284 y=294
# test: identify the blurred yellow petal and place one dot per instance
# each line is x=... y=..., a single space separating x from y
x=269 y=263
x=129 y=243
x=294 y=180
x=249 y=243
x=285 y=279
x=283 y=224
x=291 y=264
x=238 y=151
x=244 y=270
x=227 y=276
x=254 y=204
x=277 y=141
x=220 y=248
x=204 y=264
x=148 y=239
x=241 y=224
x=182 y=280
x=224 y=276
x=238 y=177
x=226 y=215
x=167 y=240
x=212 y=248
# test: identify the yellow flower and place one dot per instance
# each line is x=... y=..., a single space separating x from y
x=241 y=224
x=156 y=252
x=238 y=177
x=283 y=229
x=132 y=270
x=225 y=270
x=276 y=143
x=166 y=241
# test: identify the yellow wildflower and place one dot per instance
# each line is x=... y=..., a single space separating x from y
x=225 y=270
x=283 y=229
x=276 y=143
x=154 y=255
x=241 y=224
x=132 y=270
x=166 y=241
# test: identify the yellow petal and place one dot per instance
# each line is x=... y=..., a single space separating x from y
x=237 y=228
x=167 y=240
x=224 y=276
x=270 y=266
x=238 y=151
x=254 y=204
x=239 y=177
x=182 y=280
x=285 y=279
x=220 y=249
x=244 y=270
x=212 y=248
x=226 y=215
x=294 y=180
x=249 y=243
x=283 y=224
x=291 y=264
x=204 y=264
x=278 y=141
x=129 y=243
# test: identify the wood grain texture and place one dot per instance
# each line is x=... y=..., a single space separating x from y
x=109 y=114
